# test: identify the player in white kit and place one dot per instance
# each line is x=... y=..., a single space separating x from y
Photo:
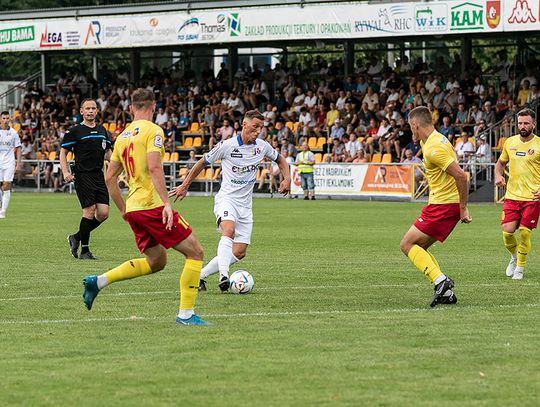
x=240 y=158
x=10 y=145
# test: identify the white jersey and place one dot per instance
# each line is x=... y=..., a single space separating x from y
x=239 y=166
x=9 y=141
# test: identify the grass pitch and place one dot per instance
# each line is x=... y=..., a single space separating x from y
x=338 y=315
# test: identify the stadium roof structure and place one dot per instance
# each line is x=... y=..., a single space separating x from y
x=164 y=6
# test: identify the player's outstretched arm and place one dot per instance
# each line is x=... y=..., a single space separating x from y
x=111 y=179
x=463 y=189
x=181 y=191
x=285 y=185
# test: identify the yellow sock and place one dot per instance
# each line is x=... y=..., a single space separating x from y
x=129 y=269
x=189 y=283
x=524 y=246
x=510 y=242
x=434 y=260
x=424 y=262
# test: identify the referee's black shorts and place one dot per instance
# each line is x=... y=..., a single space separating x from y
x=91 y=188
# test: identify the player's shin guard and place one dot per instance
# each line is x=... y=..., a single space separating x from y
x=510 y=242
x=130 y=269
x=224 y=255
x=424 y=262
x=189 y=283
x=524 y=247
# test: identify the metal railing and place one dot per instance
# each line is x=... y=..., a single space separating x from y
x=10 y=99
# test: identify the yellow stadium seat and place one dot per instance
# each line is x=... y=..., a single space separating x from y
x=39 y=155
x=202 y=174
x=188 y=142
x=209 y=174
x=321 y=141
x=376 y=158
x=318 y=157
x=312 y=142
x=290 y=125
x=217 y=173
x=361 y=139
x=295 y=126
x=167 y=157
x=112 y=127
x=175 y=157
x=386 y=158
x=195 y=127
x=183 y=172
x=17 y=127
x=197 y=141
x=325 y=158
x=106 y=125
x=70 y=156
x=52 y=155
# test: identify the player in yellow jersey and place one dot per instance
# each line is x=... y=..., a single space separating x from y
x=447 y=205
x=139 y=152
x=521 y=202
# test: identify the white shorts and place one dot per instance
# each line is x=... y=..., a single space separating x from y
x=7 y=173
x=242 y=217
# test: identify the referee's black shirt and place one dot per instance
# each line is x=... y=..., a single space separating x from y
x=89 y=145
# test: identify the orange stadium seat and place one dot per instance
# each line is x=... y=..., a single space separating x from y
x=290 y=125
x=318 y=157
x=312 y=142
x=377 y=157
x=167 y=157
x=321 y=141
x=188 y=142
x=70 y=156
x=175 y=157
x=106 y=126
x=197 y=141
x=112 y=127
x=52 y=155
x=386 y=158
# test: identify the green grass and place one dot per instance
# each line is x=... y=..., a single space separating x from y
x=338 y=316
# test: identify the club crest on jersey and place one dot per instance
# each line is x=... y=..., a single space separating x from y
x=104 y=145
x=530 y=151
x=236 y=153
x=158 y=141
x=256 y=151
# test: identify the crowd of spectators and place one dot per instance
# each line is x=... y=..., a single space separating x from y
x=357 y=115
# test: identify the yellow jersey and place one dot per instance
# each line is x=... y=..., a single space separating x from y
x=524 y=165
x=438 y=155
x=138 y=139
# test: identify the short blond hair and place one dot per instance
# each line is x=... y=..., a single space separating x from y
x=421 y=115
x=142 y=99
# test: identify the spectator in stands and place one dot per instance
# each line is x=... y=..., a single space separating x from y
x=337 y=131
x=225 y=131
x=235 y=107
x=352 y=147
x=411 y=159
x=523 y=94
x=413 y=146
x=304 y=123
x=371 y=99
x=464 y=148
x=483 y=150
x=447 y=129
x=332 y=115
x=489 y=117
x=161 y=117
x=258 y=94
x=338 y=150
x=361 y=157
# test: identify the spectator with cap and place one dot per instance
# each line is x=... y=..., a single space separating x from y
x=337 y=131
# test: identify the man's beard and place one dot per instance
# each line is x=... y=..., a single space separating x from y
x=525 y=132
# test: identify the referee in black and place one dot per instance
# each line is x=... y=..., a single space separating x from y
x=91 y=145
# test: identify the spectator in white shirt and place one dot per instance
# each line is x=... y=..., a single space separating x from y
x=464 y=148
x=310 y=100
x=162 y=117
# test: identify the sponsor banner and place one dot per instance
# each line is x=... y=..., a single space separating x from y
x=358 y=180
x=255 y=24
x=521 y=15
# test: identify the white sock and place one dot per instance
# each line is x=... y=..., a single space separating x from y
x=439 y=279
x=185 y=313
x=519 y=270
x=102 y=281
x=212 y=267
x=514 y=256
x=5 y=200
x=224 y=255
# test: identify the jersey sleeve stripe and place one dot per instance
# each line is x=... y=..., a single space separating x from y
x=68 y=144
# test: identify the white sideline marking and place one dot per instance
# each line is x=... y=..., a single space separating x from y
x=270 y=314
x=309 y=287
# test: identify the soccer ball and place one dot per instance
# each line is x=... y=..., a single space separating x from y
x=241 y=282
